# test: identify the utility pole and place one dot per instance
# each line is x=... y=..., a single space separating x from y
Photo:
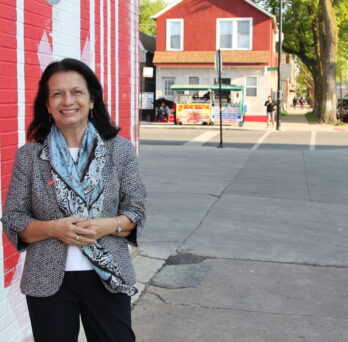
x=219 y=65
x=279 y=92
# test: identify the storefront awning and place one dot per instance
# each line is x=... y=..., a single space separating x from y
x=238 y=57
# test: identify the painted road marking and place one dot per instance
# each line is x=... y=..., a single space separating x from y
x=312 y=141
x=202 y=138
x=259 y=142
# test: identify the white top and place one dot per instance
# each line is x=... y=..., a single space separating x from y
x=76 y=260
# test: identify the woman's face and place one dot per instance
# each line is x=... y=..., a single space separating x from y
x=68 y=100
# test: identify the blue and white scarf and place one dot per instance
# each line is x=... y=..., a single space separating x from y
x=79 y=188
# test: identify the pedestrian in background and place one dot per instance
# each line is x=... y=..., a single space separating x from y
x=270 y=105
x=294 y=102
x=301 y=101
x=162 y=113
x=75 y=199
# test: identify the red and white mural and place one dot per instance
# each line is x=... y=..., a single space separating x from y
x=103 y=34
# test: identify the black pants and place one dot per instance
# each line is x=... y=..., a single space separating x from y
x=106 y=317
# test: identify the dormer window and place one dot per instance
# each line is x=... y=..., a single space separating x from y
x=175 y=34
x=234 y=33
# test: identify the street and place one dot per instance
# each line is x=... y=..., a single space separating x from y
x=246 y=243
x=296 y=134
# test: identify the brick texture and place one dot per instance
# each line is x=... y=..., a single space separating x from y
x=24 y=52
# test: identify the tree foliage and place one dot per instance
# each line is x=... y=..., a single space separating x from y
x=147 y=9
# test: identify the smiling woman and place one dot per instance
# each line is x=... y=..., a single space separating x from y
x=69 y=85
x=75 y=200
x=69 y=103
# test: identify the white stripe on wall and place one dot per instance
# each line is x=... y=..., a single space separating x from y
x=109 y=55
x=92 y=32
x=116 y=66
x=66 y=29
x=102 y=43
x=20 y=73
x=132 y=75
x=136 y=46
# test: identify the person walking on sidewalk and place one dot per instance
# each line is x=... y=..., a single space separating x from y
x=270 y=105
x=294 y=102
x=76 y=198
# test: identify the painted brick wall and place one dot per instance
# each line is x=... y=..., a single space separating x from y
x=102 y=33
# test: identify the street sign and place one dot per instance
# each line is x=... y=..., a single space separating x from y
x=148 y=72
x=146 y=100
x=272 y=68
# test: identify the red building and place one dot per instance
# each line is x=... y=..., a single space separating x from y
x=33 y=33
x=190 y=31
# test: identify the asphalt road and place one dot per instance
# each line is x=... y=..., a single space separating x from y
x=246 y=243
x=262 y=138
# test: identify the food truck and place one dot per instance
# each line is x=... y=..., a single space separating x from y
x=200 y=104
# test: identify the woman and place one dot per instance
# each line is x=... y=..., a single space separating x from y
x=162 y=112
x=76 y=198
x=270 y=110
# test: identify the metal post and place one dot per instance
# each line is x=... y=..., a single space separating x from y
x=279 y=62
x=341 y=96
x=341 y=86
x=221 y=145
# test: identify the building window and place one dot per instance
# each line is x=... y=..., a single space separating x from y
x=251 y=86
x=175 y=34
x=225 y=94
x=234 y=34
x=167 y=83
x=193 y=80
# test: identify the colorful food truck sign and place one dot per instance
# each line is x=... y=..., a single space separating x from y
x=193 y=112
x=229 y=114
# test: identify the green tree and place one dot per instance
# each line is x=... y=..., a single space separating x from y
x=312 y=33
x=147 y=9
x=342 y=22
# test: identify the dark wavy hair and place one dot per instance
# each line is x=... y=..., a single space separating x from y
x=41 y=124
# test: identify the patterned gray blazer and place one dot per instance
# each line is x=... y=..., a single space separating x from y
x=31 y=196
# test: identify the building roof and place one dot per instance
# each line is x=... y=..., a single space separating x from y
x=148 y=42
x=170 y=6
x=208 y=57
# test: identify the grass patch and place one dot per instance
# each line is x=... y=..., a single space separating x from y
x=338 y=123
x=284 y=113
x=312 y=117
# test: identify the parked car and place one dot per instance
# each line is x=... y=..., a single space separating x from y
x=342 y=110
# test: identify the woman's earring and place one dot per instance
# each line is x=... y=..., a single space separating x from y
x=90 y=115
x=49 y=117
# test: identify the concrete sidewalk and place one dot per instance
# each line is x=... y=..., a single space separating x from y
x=295 y=120
x=243 y=246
